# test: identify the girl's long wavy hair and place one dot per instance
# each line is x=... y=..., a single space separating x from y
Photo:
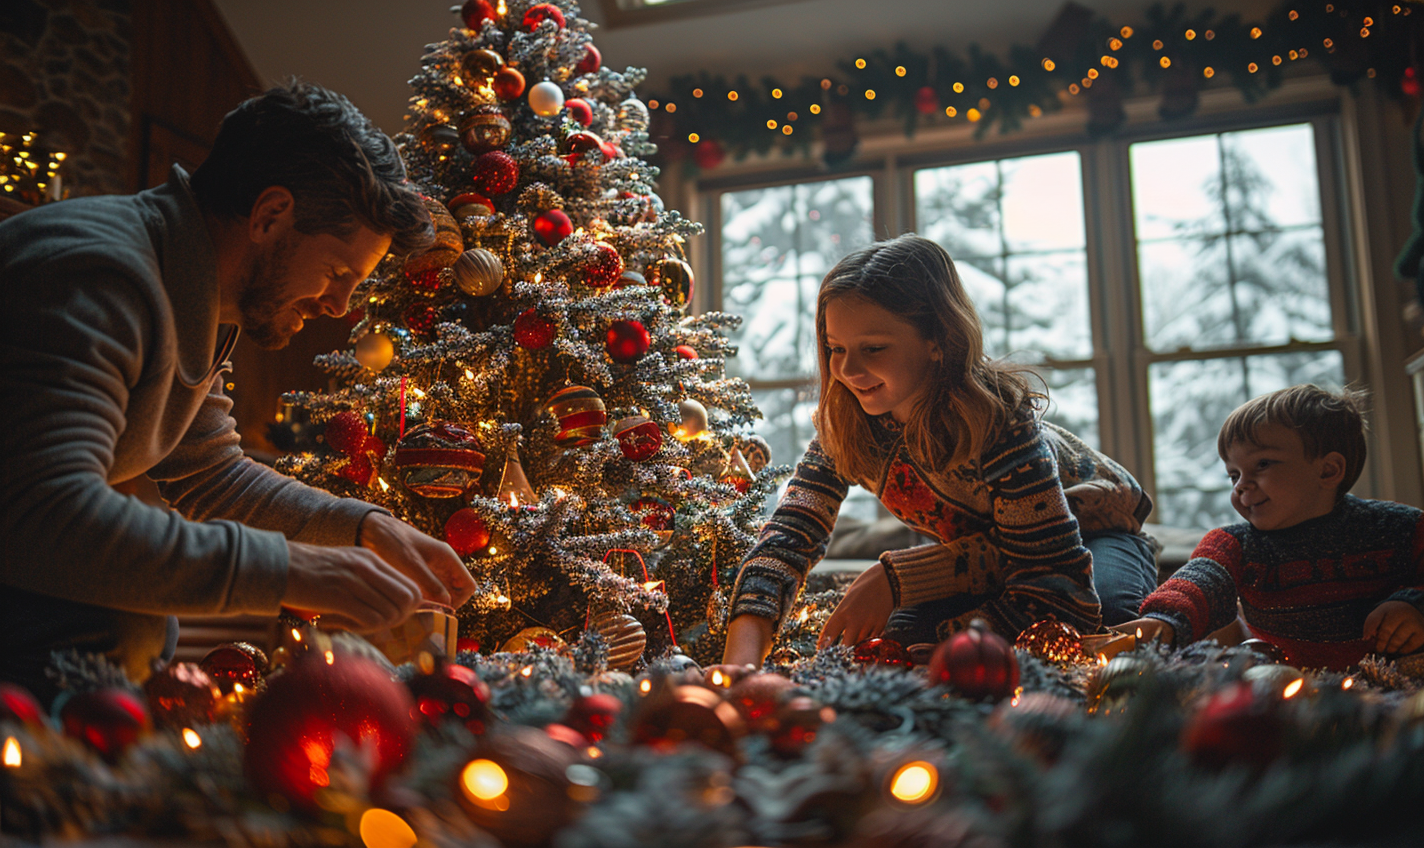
x=970 y=398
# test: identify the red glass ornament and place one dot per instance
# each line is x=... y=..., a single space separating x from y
x=926 y=100
x=653 y=513
x=1234 y=726
x=540 y=13
x=421 y=318
x=495 y=172
x=107 y=720
x=685 y=351
x=552 y=226
x=758 y=698
x=294 y=726
x=797 y=723
x=590 y=62
x=465 y=643
x=486 y=128
x=374 y=447
x=976 y=663
x=882 y=652
x=687 y=714
x=427 y=280
x=346 y=432
x=533 y=331
x=234 y=662
x=508 y=83
x=1409 y=83
x=580 y=143
x=627 y=341
x=358 y=469
x=581 y=414
x=181 y=695
x=439 y=459
x=466 y=532
x=579 y=110
x=594 y=715
x=19 y=706
x=708 y=154
x=605 y=268
x=639 y=438
x=471 y=204
x=451 y=691
x=476 y=12
x=610 y=150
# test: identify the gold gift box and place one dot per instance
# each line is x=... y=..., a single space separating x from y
x=433 y=627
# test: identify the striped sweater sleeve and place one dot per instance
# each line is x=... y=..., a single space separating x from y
x=1046 y=571
x=1200 y=597
x=792 y=541
x=1414 y=592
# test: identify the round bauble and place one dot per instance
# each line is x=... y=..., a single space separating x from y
x=656 y=515
x=508 y=83
x=579 y=143
x=495 y=172
x=358 y=469
x=517 y=786
x=449 y=242
x=475 y=12
x=797 y=723
x=694 y=420
x=1268 y=651
x=235 y=664
x=627 y=341
x=533 y=331
x=581 y=415
x=624 y=636
x=442 y=138
x=552 y=226
x=881 y=652
x=736 y=473
x=479 y=272
x=530 y=638
x=594 y=715
x=420 y=318
x=480 y=66
x=375 y=350
x=1280 y=681
x=604 y=269
x=470 y=205
x=107 y=720
x=1110 y=686
x=755 y=450
x=674 y=278
x=758 y=697
x=346 y=432
x=546 y=99
x=539 y=13
x=466 y=532
x=450 y=692
x=590 y=62
x=439 y=459
x=632 y=115
x=1051 y=640
x=977 y=663
x=579 y=111
x=18 y=706
x=926 y=100
x=639 y=438
x=708 y=154
x=685 y=352
x=485 y=129
x=1038 y=724
x=427 y=280
x=319 y=701
x=1234 y=726
x=682 y=714
x=181 y=695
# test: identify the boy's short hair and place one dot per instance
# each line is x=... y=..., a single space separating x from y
x=342 y=171
x=1326 y=421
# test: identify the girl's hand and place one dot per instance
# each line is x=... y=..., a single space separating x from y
x=748 y=642
x=863 y=611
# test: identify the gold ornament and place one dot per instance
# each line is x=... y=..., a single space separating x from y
x=375 y=351
x=514 y=488
x=532 y=637
x=1052 y=640
x=694 y=421
x=1113 y=684
x=448 y=242
x=624 y=636
x=478 y=272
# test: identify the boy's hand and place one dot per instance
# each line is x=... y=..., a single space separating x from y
x=863 y=611
x=1396 y=628
x=1151 y=628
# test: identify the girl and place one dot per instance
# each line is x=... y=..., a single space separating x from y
x=951 y=444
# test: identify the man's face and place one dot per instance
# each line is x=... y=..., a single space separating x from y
x=294 y=276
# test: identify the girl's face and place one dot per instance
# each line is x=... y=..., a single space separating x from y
x=879 y=356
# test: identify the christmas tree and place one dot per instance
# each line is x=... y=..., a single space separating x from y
x=529 y=389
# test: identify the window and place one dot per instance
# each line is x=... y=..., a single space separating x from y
x=1153 y=283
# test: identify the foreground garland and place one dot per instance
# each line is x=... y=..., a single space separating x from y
x=1206 y=746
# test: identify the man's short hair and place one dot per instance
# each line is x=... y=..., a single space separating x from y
x=1326 y=421
x=342 y=171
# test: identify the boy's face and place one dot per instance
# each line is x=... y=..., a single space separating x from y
x=1274 y=486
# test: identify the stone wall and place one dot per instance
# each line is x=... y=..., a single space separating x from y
x=64 y=71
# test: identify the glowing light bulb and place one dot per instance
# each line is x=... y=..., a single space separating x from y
x=384 y=829
x=1293 y=688
x=527 y=671
x=645 y=687
x=914 y=783
x=484 y=780
x=191 y=738
x=1347 y=683
x=718 y=678
x=330 y=658
x=12 y=752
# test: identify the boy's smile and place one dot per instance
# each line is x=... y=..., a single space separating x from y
x=1274 y=486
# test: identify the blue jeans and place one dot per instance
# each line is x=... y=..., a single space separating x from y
x=1124 y=574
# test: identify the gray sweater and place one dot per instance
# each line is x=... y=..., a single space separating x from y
x=114 y=362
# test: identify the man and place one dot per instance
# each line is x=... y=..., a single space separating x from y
x=116 y=317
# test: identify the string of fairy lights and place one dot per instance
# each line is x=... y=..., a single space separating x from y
x=704 y=116
x=29 y=172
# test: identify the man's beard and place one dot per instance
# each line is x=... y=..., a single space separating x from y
x=264 y=296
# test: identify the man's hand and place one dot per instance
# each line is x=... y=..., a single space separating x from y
x=1151 y=628
x=1396 y=628
x=863 y=611
x=431 y=563
x=349 y=587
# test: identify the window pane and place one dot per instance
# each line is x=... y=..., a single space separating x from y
x=1073 y=401
x=1042 y=203
x=1230 y=247
x=1048 y=311
x=959 y=208
x=787 y=428
x=1190 y=401
x=777 y=244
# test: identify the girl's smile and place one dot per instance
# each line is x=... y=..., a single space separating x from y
x=879 y=356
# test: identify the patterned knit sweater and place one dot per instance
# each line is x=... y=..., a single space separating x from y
x=1307 y=588
x=1006 y=525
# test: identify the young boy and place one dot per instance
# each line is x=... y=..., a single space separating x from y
x=1323 y=575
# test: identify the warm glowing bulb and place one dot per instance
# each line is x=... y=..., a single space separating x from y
x=484 y=780
x=493 y=550
x=593 y=753
x=527 y=671
x=717 y=678
x=914 y=783
x=1048 y=65
x=385 y=487
x=693 y=138
x=501 y=598
x=653 y=586
x=900 y=71
x=237 y=689
x=191 y=738
x=296 y=635
x=776 y=93
x=384 y=829
x=860 y=63
x=1293 y=688
x=1347 y=683
x=330 y=658
x=645 y=687
x=1139 y=632
x=12 y=752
